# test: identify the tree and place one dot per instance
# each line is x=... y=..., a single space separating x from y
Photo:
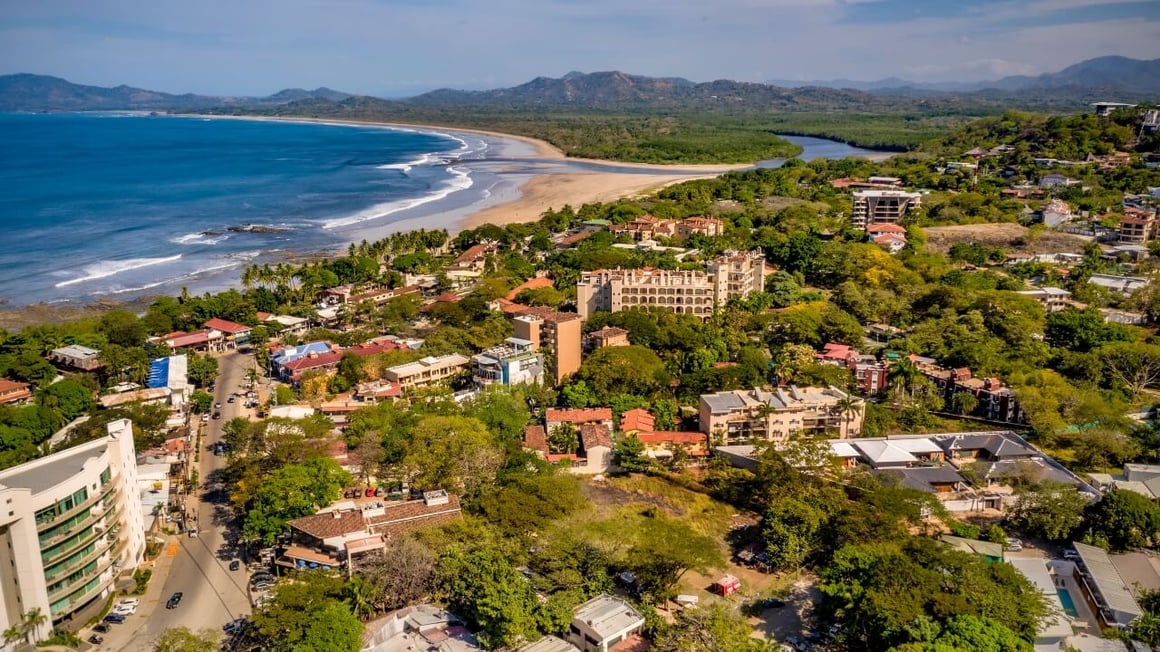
x=1131 y=366
x=1050 y=509
x=484 y=588
x=333 y=628
x=848 y=407
x=714 y=628
x=183 y=639
x=791 y=359
x=564 y=439
x=27 y=629
x=782 y=289
x=122 y=327
x=790 y=531
x=628 y=454
x=528 y=503
x=70 y=397
x=451 y=452
x=201 y=401
x=622 y=369
x=404 y=574
x=964 y=403
x=202 y=369
x=1100 y=448
x=293 y=491
x=1125 y=520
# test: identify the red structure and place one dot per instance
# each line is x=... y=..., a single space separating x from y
x=727 y=585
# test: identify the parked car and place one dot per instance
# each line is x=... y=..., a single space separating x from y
x=115 y=618
x=234 y=626
x=1014 y=545
x=101 y=628
x=217 y=406
x=174 y=600
x=217 y=415
x=1070 y=554
x=96 y=640
x=231 y=399
x=235 y=565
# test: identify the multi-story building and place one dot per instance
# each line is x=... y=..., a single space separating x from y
x=555 y=334
x=513 y=362
x=1137 y=226
x=77 y=357
x=707 y=226
x=12 y=391
x=426 y=371
x=746 y=414
x=733 y=274
x=1053 y=299
x=883 y=206
x=70 y=524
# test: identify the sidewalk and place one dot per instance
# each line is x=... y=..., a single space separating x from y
x=121 y=637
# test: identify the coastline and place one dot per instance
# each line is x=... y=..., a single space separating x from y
x=540 y=190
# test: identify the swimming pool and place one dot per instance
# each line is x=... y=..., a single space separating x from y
x=1066 y=601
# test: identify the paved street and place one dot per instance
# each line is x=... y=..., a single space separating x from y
x=197 y=567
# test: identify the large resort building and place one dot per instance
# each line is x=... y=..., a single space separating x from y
x=695 y=292
x=883 y=206
x=71 y=524
x=743 y=415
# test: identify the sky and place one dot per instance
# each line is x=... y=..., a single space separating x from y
x=402 y=47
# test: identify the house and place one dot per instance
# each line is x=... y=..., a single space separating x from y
x=1105 y=109
x=987 y=446
x=1120 y=284
x=1137 y=226
x=12 y=391
x=235 y=334
x=932 y=480
x=377 y=391
x=707 y=226
x=1105 y=587
x=555 y=417
x=645 y=227
x=1056 y=180
x=595 y=454
x=76 y=357
x=1053 y=299
x=602 y=622
x=1056 y=212
x=900 y=452
x=777 y=415
x=472 y=259
x=427 y=370
x=292 y=371
x=512 y=363
x=637 y=420
x=607 y=336
x=660 y=445
x=288 y=325
x=422 y=628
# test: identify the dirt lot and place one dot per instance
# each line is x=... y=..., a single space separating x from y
x=1012 y=237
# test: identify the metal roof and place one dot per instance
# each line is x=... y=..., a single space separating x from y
x=1109 y=589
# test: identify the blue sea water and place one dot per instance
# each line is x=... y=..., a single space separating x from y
x=126 y=205
x=117 y=204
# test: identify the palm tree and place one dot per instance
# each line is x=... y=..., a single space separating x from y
x=904 y=375
x=27 y=625
x=361 y=598
x=847 y=407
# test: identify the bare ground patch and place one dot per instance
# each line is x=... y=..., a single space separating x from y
x=1008 y=236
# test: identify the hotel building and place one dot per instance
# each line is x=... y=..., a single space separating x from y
x=734 y=274
x=743 y=415
x=71 y=523
x=883 y=206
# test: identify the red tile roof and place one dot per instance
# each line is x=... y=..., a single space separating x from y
x=404 y=517
x=313 y=362
x=885 y=228
x=472 y=253
x=638 y=420
x=587 y=415
x=536 y=439
x=179 y=340
x=672 y=437
x=7 y=386
x=530 y=284
x=226 y=326
x=595 y=434
x=372 y=348
x=331 y=524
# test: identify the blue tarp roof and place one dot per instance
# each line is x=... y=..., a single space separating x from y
x=158 y=373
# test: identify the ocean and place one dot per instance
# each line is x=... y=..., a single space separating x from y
x=128 y=205
x=124 y=205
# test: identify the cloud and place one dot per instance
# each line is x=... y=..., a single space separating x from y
x=259 y=46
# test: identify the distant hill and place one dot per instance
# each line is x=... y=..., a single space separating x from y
x=27 y=92
x=616 y=90
x=1124 y=77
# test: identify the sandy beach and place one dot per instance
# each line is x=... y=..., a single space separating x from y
x=551 y=189
x=554 y=190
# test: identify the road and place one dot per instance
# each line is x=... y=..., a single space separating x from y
x=212 y=594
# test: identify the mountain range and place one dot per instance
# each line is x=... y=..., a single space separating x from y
x=1134 y=78
x=27 y=92
x=1104 y=78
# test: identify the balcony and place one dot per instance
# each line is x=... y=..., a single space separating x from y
x=98 y=571
x=109 y=490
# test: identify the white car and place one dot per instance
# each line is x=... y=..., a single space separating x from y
x=126 y=608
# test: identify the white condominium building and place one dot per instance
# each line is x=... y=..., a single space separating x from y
x=883 y=206
x=70 y=525
x=696 y=292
